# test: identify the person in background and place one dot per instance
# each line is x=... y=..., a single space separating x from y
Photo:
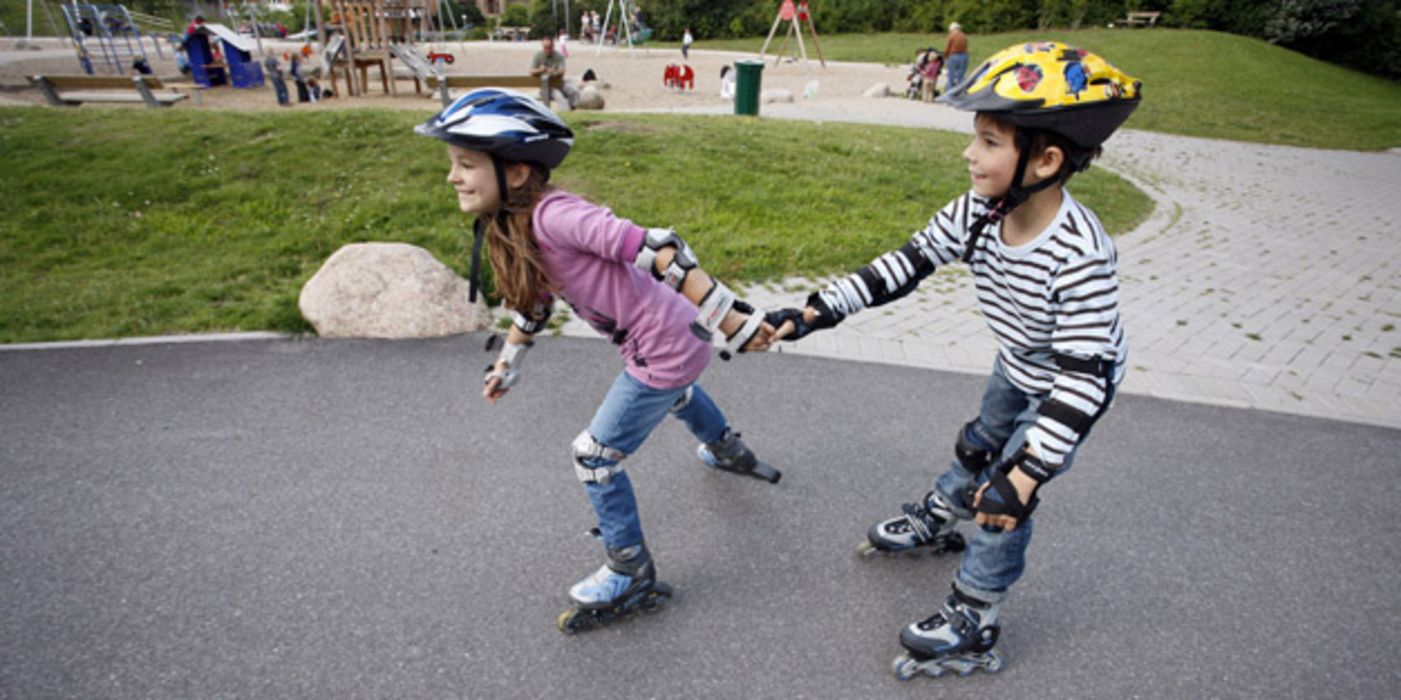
x=548 y=62
x=956 y=56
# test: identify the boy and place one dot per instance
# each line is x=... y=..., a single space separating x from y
x=1045 y=276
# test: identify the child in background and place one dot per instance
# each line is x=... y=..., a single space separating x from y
x=279 y=84
x=641 y=288
x=1044 y=270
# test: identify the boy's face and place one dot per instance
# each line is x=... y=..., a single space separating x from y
x=473 y=175
x=992 y=157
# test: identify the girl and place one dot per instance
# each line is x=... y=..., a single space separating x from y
x=640 y=288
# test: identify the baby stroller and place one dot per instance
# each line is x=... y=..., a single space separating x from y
x=925 y=70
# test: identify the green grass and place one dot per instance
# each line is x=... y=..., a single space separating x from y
x=1195 y=83
x=134 y=222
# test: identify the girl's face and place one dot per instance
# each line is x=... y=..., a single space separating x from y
x=992 y=157
x=474 y=177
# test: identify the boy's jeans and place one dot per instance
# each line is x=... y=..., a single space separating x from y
x=624 y=420
x=995 y=559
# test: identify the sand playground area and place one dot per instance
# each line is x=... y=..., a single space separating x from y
x=633 y=77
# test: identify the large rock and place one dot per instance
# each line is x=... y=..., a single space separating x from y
x=776 y=95
x=877 y=90
x=389 y=290
x=590 y=97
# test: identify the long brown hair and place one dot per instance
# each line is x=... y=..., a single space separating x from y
x=520 y=275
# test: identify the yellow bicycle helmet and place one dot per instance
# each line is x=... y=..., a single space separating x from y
x=1046 y=86
x=1049 y=85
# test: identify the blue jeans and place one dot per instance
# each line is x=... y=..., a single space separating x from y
x=957 y=66
x=996 y=558
x=623 y=421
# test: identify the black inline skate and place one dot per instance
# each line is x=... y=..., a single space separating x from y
x=626 y=584
x=958 y=638
x=730 y=454
x=924 y=526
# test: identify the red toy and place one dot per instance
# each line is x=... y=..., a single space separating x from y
x=679 y=77
x=445 y=57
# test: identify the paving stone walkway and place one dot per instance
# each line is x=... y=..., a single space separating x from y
x=1266 y=277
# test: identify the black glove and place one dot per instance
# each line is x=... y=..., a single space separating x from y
x=825 y=318
x=1001 y=498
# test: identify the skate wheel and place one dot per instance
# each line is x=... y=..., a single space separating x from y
x=657 y=598
x=866 y=550
x=904 y=667
x=565 y=621
x=994 y=662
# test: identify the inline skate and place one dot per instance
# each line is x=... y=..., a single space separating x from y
x=958 y=638
x=927 y=526
x=626 y=584
x=730 y=454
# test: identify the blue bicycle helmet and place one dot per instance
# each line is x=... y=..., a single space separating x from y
x=509 y=127
x=504 y=124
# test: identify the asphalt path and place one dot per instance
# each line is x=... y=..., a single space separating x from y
x=348 y=519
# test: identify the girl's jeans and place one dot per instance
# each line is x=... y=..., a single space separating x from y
x=624 y=420
x=995 y=558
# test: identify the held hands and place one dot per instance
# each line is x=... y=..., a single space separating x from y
x=793 y=324
x=762 y=339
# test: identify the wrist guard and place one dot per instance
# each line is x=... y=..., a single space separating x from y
x=1001 y=498
x=712 y=310
x=826 y=316
x=736 y=342
x=511 y=355
x=800 y=327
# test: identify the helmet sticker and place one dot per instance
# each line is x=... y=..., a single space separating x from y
x=1028 y=77
x=1075 y=79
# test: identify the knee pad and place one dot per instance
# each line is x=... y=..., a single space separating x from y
x=585 y=448
x=970 y=451
x=682 y=401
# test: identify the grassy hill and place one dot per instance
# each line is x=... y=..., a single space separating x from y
x=1195 y=83
x=135 y=222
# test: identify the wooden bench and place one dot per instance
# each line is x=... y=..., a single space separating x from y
x=1140 y=19
x=510 y=34
x=469 y=82
x=73 y=90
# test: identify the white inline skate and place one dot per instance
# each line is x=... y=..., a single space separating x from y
x=730 y=454
x=958 y=638
x=626 y=584
x=926 y=526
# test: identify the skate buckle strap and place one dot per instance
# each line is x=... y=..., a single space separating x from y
x=916 y=515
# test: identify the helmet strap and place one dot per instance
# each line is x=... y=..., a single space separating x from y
x=479 y=228
x=478 y=236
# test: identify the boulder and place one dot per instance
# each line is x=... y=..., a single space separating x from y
x=389 y=290
x=590 y=97
x=877 y=90
x=776 y=95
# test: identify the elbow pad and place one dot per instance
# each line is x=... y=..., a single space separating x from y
x=681 y=264
x=538 y=318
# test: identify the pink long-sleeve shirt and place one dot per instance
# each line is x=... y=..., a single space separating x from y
x=589 y=254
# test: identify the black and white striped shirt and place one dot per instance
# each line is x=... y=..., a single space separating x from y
x=1055 y=296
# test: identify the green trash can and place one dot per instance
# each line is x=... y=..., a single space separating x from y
x=748 y=75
